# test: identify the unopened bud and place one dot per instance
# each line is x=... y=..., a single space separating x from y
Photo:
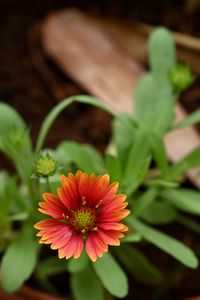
x=45 y=165
x=181 y=77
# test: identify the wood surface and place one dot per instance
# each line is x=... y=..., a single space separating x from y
x=107 y=57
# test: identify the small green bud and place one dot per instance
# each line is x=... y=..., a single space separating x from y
x=181 y=77
x=45 y=165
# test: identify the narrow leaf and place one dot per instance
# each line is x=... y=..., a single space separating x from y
x=137 y=162
x=86 y=286
x=84 y=156
x=162 y=54
x=138 y=265
x=19 y=261
x=166 y=243
x=192 y=119
x=51 y=266
x=51 y=117
x=113 y=168
x=159 y=152
x=123 y=135
x=111 y=275
x=76 y=265
x=191 y=160
x=189 y=223
x=159 y=213
x=145 y=200
x=187 y=200
x=133 y=237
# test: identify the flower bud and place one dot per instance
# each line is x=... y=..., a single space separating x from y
x=181 y=77
x=45 y=165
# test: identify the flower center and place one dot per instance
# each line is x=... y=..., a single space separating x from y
x=83 y=220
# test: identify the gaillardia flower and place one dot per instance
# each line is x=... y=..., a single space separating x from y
x=86 y=210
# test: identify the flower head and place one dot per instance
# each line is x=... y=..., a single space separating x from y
x=87 y=209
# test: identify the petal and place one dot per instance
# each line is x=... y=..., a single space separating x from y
x=111 y=192
x=79 y=246
x=47 y=224
x=52 y=206
x=73 y=248
x=54 y=232
x=95 y=247
x=62 y=238
x=110 y=237
x=92 y=188
x=67 y=201
x=112 y=226
x=116 y=202
x=114 y=216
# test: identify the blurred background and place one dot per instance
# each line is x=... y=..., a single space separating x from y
x=24 y=67
x=33 y=83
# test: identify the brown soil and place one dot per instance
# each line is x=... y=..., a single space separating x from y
x=33 y=85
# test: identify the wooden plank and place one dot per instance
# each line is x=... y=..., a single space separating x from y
x=101 y=56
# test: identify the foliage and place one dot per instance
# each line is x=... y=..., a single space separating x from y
x=154 y=193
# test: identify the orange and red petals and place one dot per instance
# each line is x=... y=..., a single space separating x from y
x=92 y=188
x=79 y=246
x=115 y=216
x=67 y=202
x=54 y=232
x=69 y=192
x=73 y=248
x=111 y=193
x=110 y=237
x=111 y=226
x=86 y=206
x=52 y=206
x=95 y=247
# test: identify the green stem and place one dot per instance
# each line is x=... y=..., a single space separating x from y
x=48 y=185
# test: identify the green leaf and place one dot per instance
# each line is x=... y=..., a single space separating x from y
x=51 y=117
x=159 y=213
x=9 y=119
x=137 y=163
x=123 y=135
x=144 y=101
x=189 y=223
x=159 y=153
x=19 y=261
x=76 y=265
x=145 y=200
x=84 y=156
x=192 y=119
x=51 y=266
x=111 y=275
x=154 y=105
x=162 y=58
x=166 y=243
x=4 y=201
x=17 y=217
x=154 y=99
x=191 y=160
x=86 y=286
x=137 y=264
x=18 y=203
x=15 y=141
x=132 y=238
x=187 y=200
x=159 y=182
x=113 y=167
x=162 y=54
